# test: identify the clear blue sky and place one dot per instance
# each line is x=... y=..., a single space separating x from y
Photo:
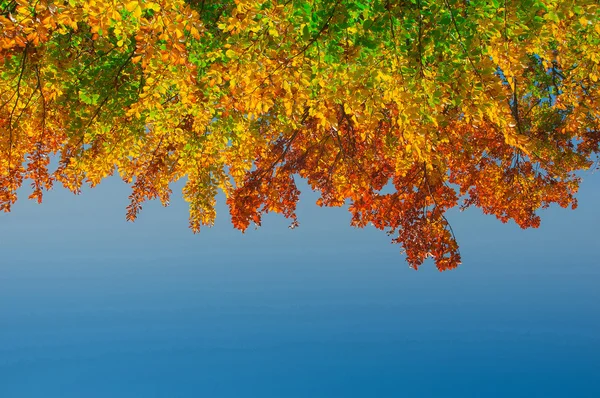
x=93 y=306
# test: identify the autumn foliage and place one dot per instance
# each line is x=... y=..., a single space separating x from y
x=401 y=109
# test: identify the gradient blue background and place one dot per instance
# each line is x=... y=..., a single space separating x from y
x=92 y=306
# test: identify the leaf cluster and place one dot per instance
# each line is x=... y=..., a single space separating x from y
x=401 y=109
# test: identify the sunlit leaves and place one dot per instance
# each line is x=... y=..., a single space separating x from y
x=400 y=110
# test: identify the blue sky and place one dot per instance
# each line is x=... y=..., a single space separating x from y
x=93 y=306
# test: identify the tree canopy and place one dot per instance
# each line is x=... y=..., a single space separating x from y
x=401 y=109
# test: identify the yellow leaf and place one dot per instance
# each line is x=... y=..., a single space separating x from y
x=137 y=12
x=131 y=6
